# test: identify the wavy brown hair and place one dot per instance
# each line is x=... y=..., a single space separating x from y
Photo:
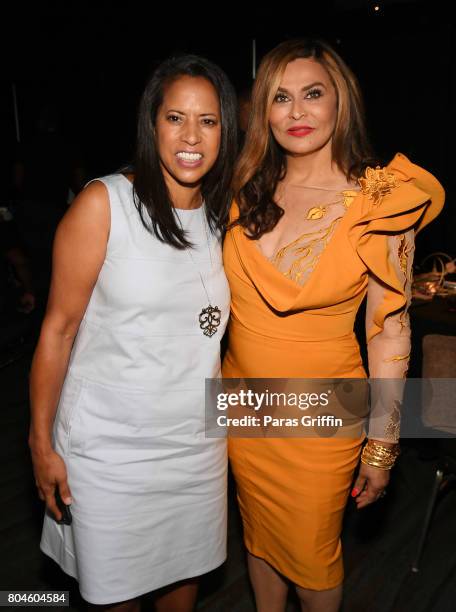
x=262 y=162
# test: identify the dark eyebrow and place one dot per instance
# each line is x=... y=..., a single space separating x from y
x=305 y=88
x=174 y=110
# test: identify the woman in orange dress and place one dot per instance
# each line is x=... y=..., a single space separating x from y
x=315 y=228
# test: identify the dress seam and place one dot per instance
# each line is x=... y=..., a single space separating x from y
x=129 y=389
x=114 y=331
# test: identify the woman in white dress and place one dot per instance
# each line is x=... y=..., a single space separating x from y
x=137 y=308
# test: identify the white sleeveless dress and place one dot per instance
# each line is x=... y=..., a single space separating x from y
x=148 y=488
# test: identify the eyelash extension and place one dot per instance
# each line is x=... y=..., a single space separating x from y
x=312 y=94
x=316 y=90
x=279 y=95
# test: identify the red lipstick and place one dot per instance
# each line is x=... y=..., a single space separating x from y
x=300 y=130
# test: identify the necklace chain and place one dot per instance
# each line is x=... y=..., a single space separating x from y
x=210 y=317
x=189 y=251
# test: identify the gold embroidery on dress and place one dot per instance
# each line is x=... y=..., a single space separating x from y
x=297 y=259
x=297 y=269
x=377 y=183
x=315 y=213
x=394 y=423
x=397 y=358
x=318 y=212
x=404 y=319
x=411 y=250
x=349 y=196
x=402 y=252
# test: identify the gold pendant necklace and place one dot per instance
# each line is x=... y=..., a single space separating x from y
x=210 y=317
x=209 y=320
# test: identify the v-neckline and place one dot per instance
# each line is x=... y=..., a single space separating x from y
x=259 y=254
x=344 y=193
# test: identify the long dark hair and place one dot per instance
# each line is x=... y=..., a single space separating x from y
x=262 y=163
x=151 y=195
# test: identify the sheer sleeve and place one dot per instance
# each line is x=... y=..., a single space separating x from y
x=389 y=349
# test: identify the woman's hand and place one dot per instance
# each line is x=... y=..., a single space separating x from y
x=369 y=485
x=50 y=472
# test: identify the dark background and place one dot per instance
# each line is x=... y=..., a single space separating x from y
x=80 y=67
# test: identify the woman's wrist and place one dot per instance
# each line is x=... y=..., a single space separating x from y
x=39 y=443
x=381 y=455
x=386 y=443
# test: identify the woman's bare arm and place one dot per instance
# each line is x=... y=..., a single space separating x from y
x=78 y=254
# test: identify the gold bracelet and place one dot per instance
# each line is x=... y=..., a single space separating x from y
x=379 y=456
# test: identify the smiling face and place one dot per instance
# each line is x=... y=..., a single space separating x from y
x=188 y=130
x=304 y=111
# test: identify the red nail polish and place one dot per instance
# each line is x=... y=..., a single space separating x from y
x=354 y=492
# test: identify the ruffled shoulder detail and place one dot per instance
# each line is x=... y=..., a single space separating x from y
x=393 y=200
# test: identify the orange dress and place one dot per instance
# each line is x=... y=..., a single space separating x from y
x=292 y=491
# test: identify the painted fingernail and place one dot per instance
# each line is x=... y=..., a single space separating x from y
x=354 y=492
x=68 y=501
